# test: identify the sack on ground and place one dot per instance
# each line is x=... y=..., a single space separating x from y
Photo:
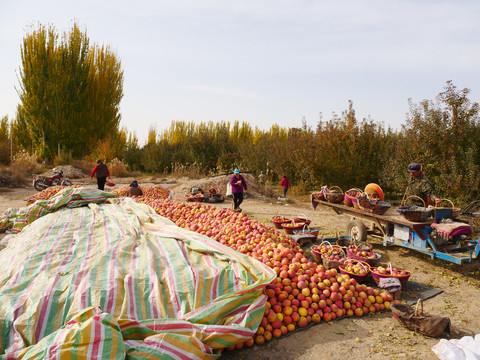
x=415 y=319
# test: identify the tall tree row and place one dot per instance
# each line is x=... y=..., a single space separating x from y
x=443 y=135
x=69 y=92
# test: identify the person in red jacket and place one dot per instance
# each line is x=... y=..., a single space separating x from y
x=285 y=185
x=101 y=172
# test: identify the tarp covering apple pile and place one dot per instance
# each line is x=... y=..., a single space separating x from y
x=113 y=279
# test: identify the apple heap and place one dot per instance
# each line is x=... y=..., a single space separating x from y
x=149 y=191
x=303 y=292
x=48 y=193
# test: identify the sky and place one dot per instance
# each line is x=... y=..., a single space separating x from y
x=264 y=62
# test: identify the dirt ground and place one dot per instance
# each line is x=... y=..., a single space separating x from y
x=378 y=336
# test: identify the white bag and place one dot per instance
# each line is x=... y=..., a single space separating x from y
x=467 y=348
x=229 y=190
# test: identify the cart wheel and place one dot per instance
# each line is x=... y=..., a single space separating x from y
x=357 y=230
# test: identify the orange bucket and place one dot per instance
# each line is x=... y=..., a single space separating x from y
x=371 y=188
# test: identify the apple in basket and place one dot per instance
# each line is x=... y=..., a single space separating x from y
x=325 y=249
x=362 y=253
x=382 y=270
x=336 y=257
x=386 y=271
x=356 y=268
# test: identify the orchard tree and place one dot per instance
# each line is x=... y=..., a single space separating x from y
x=70 y=91
x=444 y=136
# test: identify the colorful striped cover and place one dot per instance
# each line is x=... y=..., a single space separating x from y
x=14 y=220
x=116 y=280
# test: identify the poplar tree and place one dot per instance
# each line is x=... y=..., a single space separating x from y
x=70 y=92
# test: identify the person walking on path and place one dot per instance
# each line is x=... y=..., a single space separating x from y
x=101 y=172
x=238 y=186
x=285 y=185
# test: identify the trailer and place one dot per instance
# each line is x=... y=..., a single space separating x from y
x=393 y=229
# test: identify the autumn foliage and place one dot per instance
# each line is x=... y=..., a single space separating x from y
x=443 y=135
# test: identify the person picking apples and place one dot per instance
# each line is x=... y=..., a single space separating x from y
x=238 y=186
x=420 y=186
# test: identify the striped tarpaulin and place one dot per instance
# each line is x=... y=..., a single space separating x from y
x=14 y=220
x=116 y=280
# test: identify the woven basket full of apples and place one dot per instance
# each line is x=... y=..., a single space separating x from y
x=362 y=254
x=390 y=272
x=331 y=256
x=356 y=269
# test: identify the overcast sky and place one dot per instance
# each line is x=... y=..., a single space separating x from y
x=263 y=61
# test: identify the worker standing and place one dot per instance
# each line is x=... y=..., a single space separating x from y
x=285 y=185
x=238 y=185
x=420 y=186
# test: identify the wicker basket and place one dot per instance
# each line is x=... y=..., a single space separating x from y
x=333 y=264
x=335 y=195
x=279 y=220
x=317 y=255
x=302 y=219
x=330 y=264
x=414 y=213
x=289 y=227
x=350 y=196
x=373 y=206
x=377 y=276
x=359 y=278
x=442 y=212
x=352 y=255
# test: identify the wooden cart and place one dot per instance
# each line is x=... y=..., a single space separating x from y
x=393 y=229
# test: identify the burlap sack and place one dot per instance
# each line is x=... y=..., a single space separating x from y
x=416 y=320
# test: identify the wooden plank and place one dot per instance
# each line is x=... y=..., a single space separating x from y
x=390 y=216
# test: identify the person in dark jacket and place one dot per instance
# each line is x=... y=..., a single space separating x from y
x=134 y=189
x=101 y=172
x=238 y=185
x=421 y=187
